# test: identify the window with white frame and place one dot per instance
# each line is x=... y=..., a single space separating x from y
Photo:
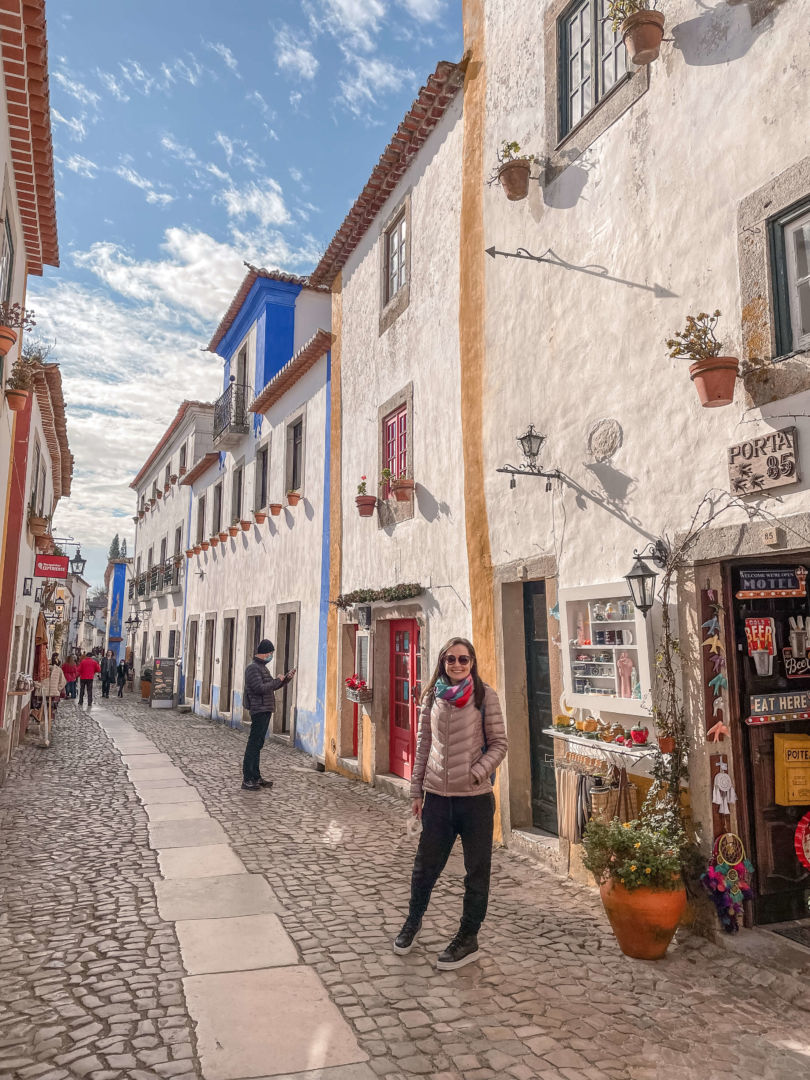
x=790 y=267
x=260 y=480
x=237 y=485
x=396 y=256
x=201 y=519
x=6 y=261
x=592 y=59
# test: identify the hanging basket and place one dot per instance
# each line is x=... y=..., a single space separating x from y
x=365 y=504
x=223 y=536
x=7 y=338
x=514 y=178
x=642 y=33
x=275 y=509
x=233 y=530
x=259 y=516
x=16 y=399
x=245 y=525
x=715 y=378
x=359 y=697
x=293 y=498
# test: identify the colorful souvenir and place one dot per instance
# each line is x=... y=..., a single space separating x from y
x=727 y=880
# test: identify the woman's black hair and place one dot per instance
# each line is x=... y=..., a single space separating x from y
x=439 y=673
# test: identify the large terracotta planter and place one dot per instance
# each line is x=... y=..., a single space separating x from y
x=146 y=688
x=293 y=498
x=514 y=178
x=16 y=399
x=365 y=504
x=714 y=379
x=642 y=33
x=7 y=339
x=275 y=509
x=643 y=920
x=402 y=488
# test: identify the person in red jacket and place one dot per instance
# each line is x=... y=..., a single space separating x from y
x=71 y=673
x=88 y=669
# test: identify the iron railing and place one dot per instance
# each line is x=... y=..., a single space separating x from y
x=161 y=578
x=231 y=411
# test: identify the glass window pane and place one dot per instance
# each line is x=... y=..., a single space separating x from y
x=804 y=308
x=586 y=96
x=802 y=248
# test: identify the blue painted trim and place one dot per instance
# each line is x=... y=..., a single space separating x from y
x=263 y=291
x=182 y=673
x=325 y=550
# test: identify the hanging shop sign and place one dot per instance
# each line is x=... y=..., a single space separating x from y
x=801 y=841
x=768 y=461
x=771 y=582
x=51 y=566
x=791 y=769
x=776 y=708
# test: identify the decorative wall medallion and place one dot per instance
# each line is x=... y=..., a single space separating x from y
x=605 y=438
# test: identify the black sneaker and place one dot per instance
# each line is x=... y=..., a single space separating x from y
x=403 y=942
x=251 y=785
x=463 y=949
x=265 y=783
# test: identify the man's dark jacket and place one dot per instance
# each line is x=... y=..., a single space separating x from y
x=260 y=689
x=109 y=668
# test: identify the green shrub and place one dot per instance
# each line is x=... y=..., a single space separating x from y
x=634 y=854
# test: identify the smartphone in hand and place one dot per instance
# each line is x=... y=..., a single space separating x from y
x=290 y=674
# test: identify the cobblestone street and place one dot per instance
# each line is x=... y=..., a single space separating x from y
x=91 y=973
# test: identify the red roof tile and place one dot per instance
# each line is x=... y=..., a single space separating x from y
x=422 y=117
x=48 y=389
x=253 y=274
x=307 y=355
x=206 y=406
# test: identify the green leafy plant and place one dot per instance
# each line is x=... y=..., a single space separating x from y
x=16 y=317
x=697 y=341
x=619 y=10
x=361 y=487
x=510 y=151
x=368 y=596
x=21 y=376
x=635 y=853
x=386 y=476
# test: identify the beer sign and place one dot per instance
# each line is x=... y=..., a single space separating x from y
x=768 y=461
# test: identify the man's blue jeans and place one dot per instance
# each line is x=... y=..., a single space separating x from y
x=259 y=723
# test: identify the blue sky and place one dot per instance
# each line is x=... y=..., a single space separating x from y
x=191 y=135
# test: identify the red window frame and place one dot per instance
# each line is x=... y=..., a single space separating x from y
x=395 y=444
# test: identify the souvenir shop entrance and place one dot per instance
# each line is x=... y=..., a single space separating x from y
x=771 y=673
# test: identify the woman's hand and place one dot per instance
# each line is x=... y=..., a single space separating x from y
x=416 y=808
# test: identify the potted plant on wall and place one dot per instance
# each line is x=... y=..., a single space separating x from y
x=13 y=317
x=233 y=528
x=513 y=170
x=293 y=497
x=20 y=381
x=189 y=553
x=38 y=526
x=275 y=509
x=223 y=536
x=365 y=503
x=204 y=545
x=213 y=540
x=146 y=682
x=260 y=516
x=714 y=376
x=357 y=689
x=245 y=524
x=641 y=27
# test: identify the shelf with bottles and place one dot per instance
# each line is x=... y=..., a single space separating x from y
x=606 y=656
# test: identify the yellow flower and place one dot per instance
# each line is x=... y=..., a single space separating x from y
x=648 y=871
x=633 y=867
x=637 y=843
x=626 y=824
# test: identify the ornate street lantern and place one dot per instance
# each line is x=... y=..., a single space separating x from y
x=531 y=443
x=642 y=578
x=77 y=563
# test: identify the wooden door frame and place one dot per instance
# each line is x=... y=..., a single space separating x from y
x=293 y=608
x=413 y=648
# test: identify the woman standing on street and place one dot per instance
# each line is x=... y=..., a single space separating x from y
x=55 y=684
x=462 y=740
x=121 y=677
x=109 y=669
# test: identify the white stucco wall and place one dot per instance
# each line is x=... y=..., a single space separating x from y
x=313 y=312
x=421 y=347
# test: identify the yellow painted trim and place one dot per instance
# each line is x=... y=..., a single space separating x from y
x=472 y=352
x=331 y=703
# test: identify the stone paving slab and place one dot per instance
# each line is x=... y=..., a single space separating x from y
x=171 y=783
x=340 y=1072
x=239 y=944
x=149 y=761
x=183 y=834
x=211 y=860
x=138 y=774
x=249 y=1020
x=170 y=795
x=215 y=897
x=186 y=811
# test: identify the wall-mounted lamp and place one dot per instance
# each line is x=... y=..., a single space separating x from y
x=531 y=443
x=642 y=578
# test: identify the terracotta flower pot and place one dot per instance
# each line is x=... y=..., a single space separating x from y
x=293 y=498
x=514 y=178
x=166 y=486
x=197 y=549
x=37 y=525
x=223 y=536
x=275 y=509
x=643 y=920
x=205 y=545
x=402 y=488
x=666 y=744
x=16 y=399
x=260 y=516
x=214 y=541
x=365 y=504
x=182 y=470
x=642 y=33
x=715 y=377
x=7 y=338
x=159 y=493
x=189 y=553
x=233 y=530
x=245 y=525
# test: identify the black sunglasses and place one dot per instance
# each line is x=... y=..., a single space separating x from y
x=463 y=660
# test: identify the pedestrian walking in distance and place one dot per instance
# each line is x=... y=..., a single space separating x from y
x=461 y=741
x=109 y=671
x=260 y=700
x=88 y=669
x=121 y=677
x=55 y=684
x=71 y=673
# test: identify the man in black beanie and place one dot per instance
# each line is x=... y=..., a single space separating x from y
x=260 y=699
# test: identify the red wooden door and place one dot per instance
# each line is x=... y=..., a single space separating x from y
x=405 y=682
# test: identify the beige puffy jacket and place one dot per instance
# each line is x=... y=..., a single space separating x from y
x=449 y=748
x=55 y=683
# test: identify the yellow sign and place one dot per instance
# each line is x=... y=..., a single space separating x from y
x=791 y=758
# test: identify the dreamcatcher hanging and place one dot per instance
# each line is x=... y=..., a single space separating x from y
x=727 y=880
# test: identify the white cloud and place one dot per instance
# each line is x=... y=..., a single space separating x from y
x=263 y=201
x=82 y=165
x=294 y=55
x=182 y=69
x=224 y=52
x=296 y=174
x=424 y=10
x=112 y=84
x=240 y=150
x=178 y=150
x=256 y=98
x=74 y=124
x=355 y=22
x=138 y=181
x=369 y=81
x=76 y=89
x=295 y=99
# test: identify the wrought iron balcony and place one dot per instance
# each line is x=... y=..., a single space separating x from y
x=231 y=416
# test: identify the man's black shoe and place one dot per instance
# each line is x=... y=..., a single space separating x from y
x=252 y=785
x=265 y=783
x=403 y=943
x=463 y=949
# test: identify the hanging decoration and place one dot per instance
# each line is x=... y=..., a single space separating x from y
x=727 y=879
x=802 y=841
x=724 y=796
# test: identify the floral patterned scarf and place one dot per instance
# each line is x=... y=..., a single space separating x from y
x=458 y=694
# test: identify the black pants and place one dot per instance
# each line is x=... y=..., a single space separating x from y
x=87 y=684
x=259 y=723
x=105 y=687
x=120 y=689
x=443 y=819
